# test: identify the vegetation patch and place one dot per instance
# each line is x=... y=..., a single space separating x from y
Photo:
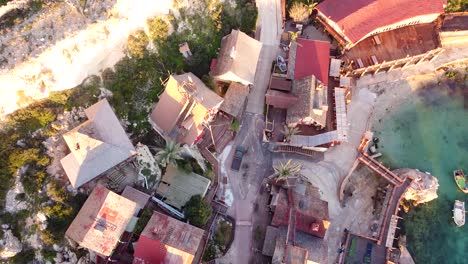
x=135 y=83
x=457 y=6
x=220 y=241
x=197 y=211
x=143 y=220
x=223 y=235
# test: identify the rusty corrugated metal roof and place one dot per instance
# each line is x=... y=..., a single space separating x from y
x=101 y=221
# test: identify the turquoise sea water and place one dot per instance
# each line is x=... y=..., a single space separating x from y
x=429 y=131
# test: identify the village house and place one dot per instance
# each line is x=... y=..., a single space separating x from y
x=305 y=97
x=299 y=224
x=374 y=32
x=97 y=145
x=102 y=220
x=235 y=100
x=352 y=21
x=167 y=240
x=184 y=109
x=237 y=59
x=178 y=186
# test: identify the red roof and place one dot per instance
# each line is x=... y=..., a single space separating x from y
x=312 y=58
x=280 y=84
x=357 y=18
x=310 y=225
x=149 y=251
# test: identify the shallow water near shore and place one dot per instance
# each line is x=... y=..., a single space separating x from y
x=429 y=131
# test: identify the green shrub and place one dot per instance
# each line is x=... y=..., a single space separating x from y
x=31 y=118
x=58 y=210
x=235 y=125
x=60 y=216
x=48 y=238
x=209 y=174
x=49 y=255
x=223 y=234
x=137 y=43
x=158 y=29
x=457 y=6
x=57 y=192
x=450 y=75
x=17 y=221
x=24 y=256
x=143 y=220
x=209 y=81
x=4 y=2
x=197 y=211
x=210 y=252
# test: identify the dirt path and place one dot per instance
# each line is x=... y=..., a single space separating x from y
x=245 y=184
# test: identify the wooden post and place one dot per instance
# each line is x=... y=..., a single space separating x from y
x=379 y=68
x=394 y=64
x=407 y=63
x=425 y=56
x=364 y=72
x=437 y=54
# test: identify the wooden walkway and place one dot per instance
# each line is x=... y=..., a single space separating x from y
x=291 y=236
x=380 y=169
x=297 y=150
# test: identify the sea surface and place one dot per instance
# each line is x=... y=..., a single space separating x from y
x=429 y=131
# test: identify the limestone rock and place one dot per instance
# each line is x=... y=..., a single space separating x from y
x=405 y=256
x=423 y=188
x=85 y=259
x=12 y=204
x=10 y=245
x=149 y=169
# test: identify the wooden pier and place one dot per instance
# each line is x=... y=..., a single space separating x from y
x=380 y=169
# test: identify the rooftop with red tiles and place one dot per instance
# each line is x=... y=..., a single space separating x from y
x=167 y=240
x=310 y=57
x=358 y=18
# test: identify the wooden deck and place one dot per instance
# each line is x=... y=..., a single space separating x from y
x=394 y=45
x=380 y=169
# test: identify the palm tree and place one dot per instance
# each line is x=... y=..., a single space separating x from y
x=170 y=154
x=286 y=170
x=299 y=12
x=311 y=5
x=289 y=131
x=294 y=36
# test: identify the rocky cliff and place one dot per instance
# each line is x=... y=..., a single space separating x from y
x=9 y=245
x=54 y=45
x=423 y=188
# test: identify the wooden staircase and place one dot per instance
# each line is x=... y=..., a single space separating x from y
x=297 y=150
